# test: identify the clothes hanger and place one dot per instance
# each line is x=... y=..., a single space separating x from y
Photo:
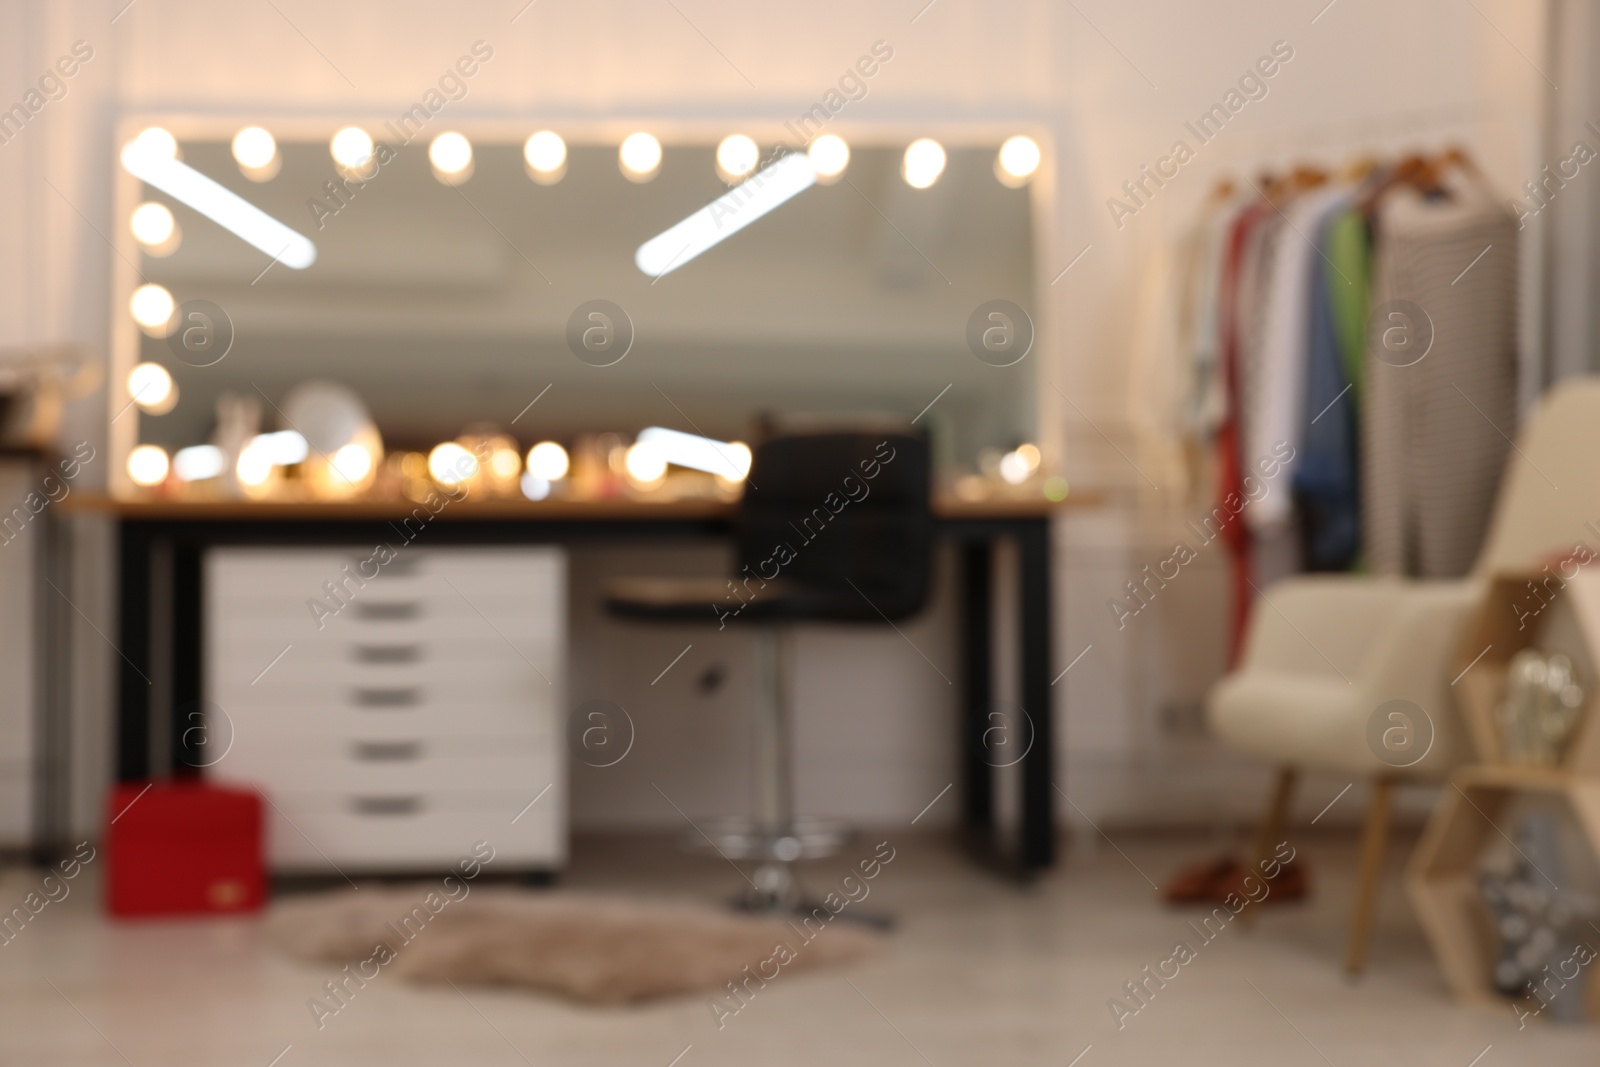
x=1358 y=170
x=1414 y=170
x=1458 y=158
x=1307 y=176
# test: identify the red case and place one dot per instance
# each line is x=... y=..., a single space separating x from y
x=183 y=848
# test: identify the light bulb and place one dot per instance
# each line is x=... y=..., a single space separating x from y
x=548 y=460
x=352 y=461
x=152 y=224
x=737 y=156
x=505 y=464
x=829 y=156
x=534 y=487
x=1014 y=468
x=923 y=163
x=157 y=142
x=451 y=156
x=450 y=464
x=152 y=308
x=199 y=462
x=147 y=465
x=256 y=152
x=545 y=154
x=351 y=148
x=640 y=157
x=254 y=466
x=150 y=386
x=1030 y=455
x=644 y=463
x=1017 y=160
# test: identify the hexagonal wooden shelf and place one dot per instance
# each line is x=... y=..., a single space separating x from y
x=1442 y=877
x=1518 y=611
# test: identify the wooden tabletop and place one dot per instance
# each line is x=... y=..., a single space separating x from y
x=615 y=509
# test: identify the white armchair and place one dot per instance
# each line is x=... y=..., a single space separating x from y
x=1324 y=653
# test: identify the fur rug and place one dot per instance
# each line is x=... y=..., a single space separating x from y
x=594 y=949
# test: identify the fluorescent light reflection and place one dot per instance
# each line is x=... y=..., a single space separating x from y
x=726 y=459
x=726 y=215
x=227 y=209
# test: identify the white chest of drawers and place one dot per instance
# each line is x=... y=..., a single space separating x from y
x=414 y=713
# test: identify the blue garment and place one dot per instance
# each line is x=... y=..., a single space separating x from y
x=1326 y=482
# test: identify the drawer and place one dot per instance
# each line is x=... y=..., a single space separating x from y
x=511 y=680
x=309 y=613
x=529 y=736
x=427 y=772
x=318 y=833
x=249 y=647
x=467 y=576
x=420 y=717
x=254 y=725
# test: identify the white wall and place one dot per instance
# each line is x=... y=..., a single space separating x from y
x=1110 y=82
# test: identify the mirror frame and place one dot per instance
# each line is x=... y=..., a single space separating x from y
x=124 y=343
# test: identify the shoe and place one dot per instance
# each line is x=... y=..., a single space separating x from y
x=1196 y=884
x=1291 y=884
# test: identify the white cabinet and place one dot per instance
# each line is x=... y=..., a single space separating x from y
x=417 y=710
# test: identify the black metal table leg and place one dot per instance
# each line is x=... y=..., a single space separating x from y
x=133 y=644
x=1038 y=846
x=976 y=636
x=186 y=647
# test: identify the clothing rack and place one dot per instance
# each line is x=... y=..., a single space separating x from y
x=1345 y=347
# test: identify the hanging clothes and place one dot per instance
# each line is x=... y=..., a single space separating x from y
x=1436 y=432
x=1327 y=488
x=1234 y=305
x=1276 y=418
x=1200 y=360
x=1347 y=243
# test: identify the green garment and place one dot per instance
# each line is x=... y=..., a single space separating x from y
x=1349 y=248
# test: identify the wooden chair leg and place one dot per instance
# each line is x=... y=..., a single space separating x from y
x=1270 y=830
x=1371 y=876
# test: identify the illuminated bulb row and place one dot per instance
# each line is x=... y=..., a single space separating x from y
x=148 y=465
x=645 y=461
x=545 y=154
x=547 y=462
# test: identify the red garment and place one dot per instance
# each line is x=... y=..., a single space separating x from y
x=1230 y=479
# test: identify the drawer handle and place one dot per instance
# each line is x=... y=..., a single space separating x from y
x=407 y=805
x=387 y=610
x=387 y=653
x=373 y=697
x=387 y=750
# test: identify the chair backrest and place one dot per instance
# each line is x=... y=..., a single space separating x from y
x=843 y=517
x=1550 y=494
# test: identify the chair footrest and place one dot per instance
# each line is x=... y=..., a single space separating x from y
x=746 y=839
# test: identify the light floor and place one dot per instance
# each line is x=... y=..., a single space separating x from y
x=979 y=972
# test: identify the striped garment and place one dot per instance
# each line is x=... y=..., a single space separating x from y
x=1435 y=434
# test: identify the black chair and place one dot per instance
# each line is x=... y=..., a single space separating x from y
x=833 y=527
